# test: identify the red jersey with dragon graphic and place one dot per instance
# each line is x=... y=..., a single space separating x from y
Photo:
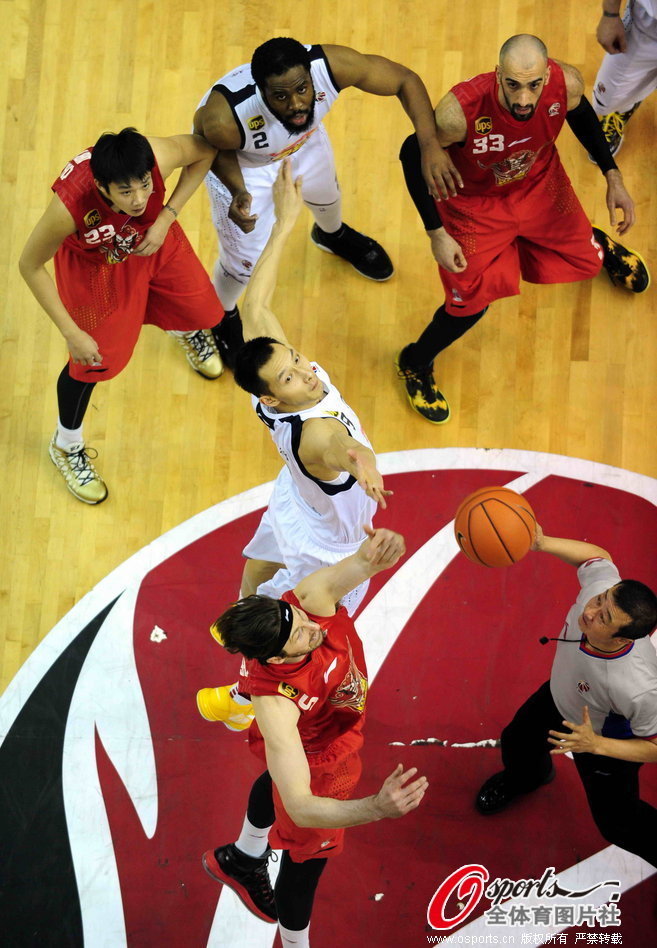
x=99 y=228
x=500 y=152
x=329 y=686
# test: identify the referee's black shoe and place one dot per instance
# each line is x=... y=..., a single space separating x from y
x=496 y=794
x=625 y=267
x=363 y=253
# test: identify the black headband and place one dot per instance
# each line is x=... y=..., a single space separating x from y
x=286 y=627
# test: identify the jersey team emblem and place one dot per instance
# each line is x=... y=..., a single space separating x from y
x=256 y=122
x=288 y=691
x=554 y=109
x=483 y=124
x=92 y=218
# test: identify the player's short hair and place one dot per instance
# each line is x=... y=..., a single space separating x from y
x=249 y=360
x=525 y=40
x=251 y=627
x=121 y=158
x=275 y=57
x=640 y=603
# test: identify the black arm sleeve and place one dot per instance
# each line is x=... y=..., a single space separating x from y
x=417 y=187
x=587 y=129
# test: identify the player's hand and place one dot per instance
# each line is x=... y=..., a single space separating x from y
x=155 y=235
x=619 y=199
x=383 y=548
x=287 y=195
x=537 y=542
x=369 y=479
x=239 y=212
x=581 y=740
x=83 y=348
x=447 y=253
x=397 y=796
x=611 y=34
x=439 y=172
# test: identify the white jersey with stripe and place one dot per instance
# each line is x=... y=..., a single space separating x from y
x=335 y=510
x=264 y=138
x=620 y=689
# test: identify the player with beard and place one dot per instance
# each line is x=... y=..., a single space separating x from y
x=272 y=109
x=304 y=668
x=517 y=214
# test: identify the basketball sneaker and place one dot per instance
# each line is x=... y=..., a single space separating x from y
x=423 y=394
x=363 y=253
x=228 y=336
x=246 y=875
x=201 y=352
x=82 y=478
x=625 y=267
x=217 y=704
x=613 y=126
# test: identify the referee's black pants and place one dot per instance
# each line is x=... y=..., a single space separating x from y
x=611 y=785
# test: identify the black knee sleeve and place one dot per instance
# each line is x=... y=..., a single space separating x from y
x=260 y=809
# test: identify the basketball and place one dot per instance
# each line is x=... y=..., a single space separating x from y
x=495 y=526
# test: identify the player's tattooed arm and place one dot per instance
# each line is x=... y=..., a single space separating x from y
x=216 y=123
x=574 y=84
x=287 y=763
x=450 y=121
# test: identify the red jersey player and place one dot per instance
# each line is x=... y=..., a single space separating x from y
x=305 y=671
x=121 y=260
x=516 y=213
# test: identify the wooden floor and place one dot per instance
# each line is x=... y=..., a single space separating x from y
x=564 y=369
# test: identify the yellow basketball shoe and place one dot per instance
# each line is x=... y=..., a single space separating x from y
x=201 y=352
x=74 y=464
x=217 y=704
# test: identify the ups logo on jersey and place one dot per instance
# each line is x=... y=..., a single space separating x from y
x=256 y=122
x=484 y=124
x=288 y=691
x=92 y=219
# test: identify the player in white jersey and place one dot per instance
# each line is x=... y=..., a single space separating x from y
x=600 y=703
x=628 y=73
x=272 y=109
x=330 y=486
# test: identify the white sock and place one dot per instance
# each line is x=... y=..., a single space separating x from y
x=68 y=436
x=237 y=698
x=253 y=840
x=290 y=939
x=328 y=216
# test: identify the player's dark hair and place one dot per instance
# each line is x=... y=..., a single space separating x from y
x=275 y=57
x=249 y=360
x=640 y=603
x=251 y=627
x=121 y=158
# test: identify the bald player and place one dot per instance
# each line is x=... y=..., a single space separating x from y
x=517 y=214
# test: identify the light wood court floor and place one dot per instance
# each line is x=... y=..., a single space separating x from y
x=564 y=369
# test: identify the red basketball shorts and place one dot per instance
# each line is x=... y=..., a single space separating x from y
x=327 y=779
x=538 y=232
x=111 y=302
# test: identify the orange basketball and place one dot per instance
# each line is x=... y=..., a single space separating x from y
x=495 y=526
